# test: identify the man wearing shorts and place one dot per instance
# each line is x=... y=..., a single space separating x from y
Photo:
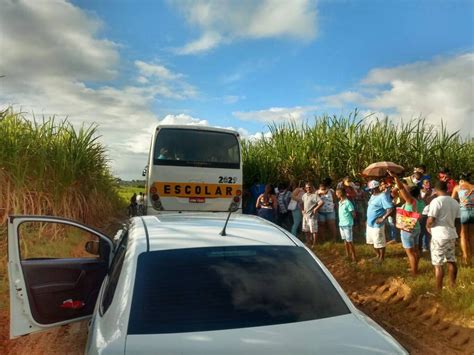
x=379 y=209
x=311 y=204
x=440 y=224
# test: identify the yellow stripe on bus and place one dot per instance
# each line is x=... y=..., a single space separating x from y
x=186 y=189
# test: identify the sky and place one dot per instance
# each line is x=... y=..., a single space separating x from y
x=128 y=65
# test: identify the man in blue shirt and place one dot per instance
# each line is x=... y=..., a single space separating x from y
x=379 y=209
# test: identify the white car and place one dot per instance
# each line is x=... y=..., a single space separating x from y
x=172 y=284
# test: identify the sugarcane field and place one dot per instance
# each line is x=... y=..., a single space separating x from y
x=222 y=177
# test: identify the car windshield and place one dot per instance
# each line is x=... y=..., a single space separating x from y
x=203 y=289
x=192 y=147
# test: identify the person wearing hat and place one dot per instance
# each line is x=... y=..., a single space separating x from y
x=415 y=179
x=379 y=209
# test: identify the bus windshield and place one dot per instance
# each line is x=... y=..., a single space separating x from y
x=200 y=148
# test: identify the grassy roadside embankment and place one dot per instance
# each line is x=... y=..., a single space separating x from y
x=458 y=300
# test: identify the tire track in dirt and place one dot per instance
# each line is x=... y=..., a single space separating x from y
x=419 y=324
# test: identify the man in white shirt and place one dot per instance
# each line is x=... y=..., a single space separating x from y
x=441 y=216
x=140 y=204
x=311 y=205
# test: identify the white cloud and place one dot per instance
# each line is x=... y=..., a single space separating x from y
x=343 y=98
x=225 y=21
x=259 y=136
x=156 y=70
x=142 y=80
x=50 y=51
x=206 y=42
x=183 y=119
x=161 y=81
x=439 y=89
x=46 y=39
x=277 y=114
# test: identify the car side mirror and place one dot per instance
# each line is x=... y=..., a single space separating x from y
x=92 y=247
x=145 y=170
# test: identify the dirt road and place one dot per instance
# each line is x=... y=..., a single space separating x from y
x=420 y=325
x=70 y=339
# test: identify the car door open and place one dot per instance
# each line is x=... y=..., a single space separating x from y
x=56 y=267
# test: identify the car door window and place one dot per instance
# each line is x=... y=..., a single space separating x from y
x=114 y=273
x=45 y=240
x=63 y=265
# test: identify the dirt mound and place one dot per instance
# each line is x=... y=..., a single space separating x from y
x=420 y=324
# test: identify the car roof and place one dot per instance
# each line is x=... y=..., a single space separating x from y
x=196 y=230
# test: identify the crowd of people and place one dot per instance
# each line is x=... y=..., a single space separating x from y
x=418 y=210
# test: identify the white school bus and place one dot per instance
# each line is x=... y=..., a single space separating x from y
x=193 y=168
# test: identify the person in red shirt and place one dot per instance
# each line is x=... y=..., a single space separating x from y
x=444 y=175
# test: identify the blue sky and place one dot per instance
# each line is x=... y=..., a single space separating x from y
x=128 y=65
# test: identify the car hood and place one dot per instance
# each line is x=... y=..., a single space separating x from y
x=347 y=334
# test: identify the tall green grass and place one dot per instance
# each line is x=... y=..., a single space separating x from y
x=48 y=167
x=333 y=147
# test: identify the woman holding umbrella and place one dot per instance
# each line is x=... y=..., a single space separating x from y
x=413 y=203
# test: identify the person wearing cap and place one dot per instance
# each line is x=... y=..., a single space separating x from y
x=424 y=172
x=415 y=179
x=379 y=209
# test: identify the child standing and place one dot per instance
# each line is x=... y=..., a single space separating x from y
x=346 y=221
